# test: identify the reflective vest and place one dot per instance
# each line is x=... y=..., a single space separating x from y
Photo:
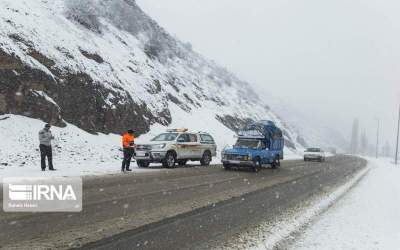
x=128 y=140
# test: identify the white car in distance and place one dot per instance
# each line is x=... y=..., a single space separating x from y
x=314 y=154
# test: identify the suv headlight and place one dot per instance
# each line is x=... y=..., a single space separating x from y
x=158 y=146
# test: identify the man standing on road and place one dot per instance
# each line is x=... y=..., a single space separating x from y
x=45 y=138
x=128 y=143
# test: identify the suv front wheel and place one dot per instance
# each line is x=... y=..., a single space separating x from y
x=170 y=160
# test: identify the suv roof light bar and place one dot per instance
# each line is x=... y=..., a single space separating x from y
x=180 y=130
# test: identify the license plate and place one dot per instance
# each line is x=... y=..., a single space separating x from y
x=140 y=153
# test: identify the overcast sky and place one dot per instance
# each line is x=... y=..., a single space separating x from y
x=337 y=59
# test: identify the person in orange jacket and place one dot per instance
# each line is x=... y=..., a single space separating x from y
x=128 y=143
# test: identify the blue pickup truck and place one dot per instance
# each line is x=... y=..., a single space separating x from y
x=258 y=144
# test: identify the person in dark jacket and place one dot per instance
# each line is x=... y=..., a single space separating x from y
x=128 y=143
x=45 y=138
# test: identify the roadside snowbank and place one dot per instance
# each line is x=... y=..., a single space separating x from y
x=75 y=152
x=274 y=235
x=366 y=218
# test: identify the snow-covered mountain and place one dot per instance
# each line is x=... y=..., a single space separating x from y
x=105 y=66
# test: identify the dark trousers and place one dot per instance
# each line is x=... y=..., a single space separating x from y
x=128 y=153
x=46 y=151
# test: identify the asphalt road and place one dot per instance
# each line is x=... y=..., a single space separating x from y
x=182 y=208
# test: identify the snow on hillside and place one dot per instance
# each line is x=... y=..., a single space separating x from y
x=104 y=67
x=126 y=67
x=119 y=59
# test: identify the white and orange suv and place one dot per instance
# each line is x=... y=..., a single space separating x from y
x=177 y=146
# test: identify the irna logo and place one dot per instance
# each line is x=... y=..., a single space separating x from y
x=47 y=194
x=41 y=192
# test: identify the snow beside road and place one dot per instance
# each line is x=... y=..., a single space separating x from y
x=367 y=217
x=75 y=152
x=279 y=233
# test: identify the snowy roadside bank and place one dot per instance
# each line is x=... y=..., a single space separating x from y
x=75 y=152
x=366 y=218
x=280 y=232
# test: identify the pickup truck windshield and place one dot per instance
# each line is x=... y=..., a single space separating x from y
x=165 y=137
x=241 y=143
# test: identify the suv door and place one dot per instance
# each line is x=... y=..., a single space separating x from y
x=183 y=146
x=208 y=143
x=196 y=151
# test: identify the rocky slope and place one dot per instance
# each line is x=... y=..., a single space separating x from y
x=105 y=66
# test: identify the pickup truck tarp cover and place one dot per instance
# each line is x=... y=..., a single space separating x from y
x=267 y=128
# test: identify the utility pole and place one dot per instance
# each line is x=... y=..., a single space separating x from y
x=377 y=139
x=397 y=142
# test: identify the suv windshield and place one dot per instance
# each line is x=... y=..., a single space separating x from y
x=241 y=143
x=166 y=137
x=314 y=150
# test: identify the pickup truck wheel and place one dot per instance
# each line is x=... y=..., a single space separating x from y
x=274 y=164
x=143 y=164
x=206 y=159
x=182 y=162
x=278 y=161
x=169 y=161
x=257 y=165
